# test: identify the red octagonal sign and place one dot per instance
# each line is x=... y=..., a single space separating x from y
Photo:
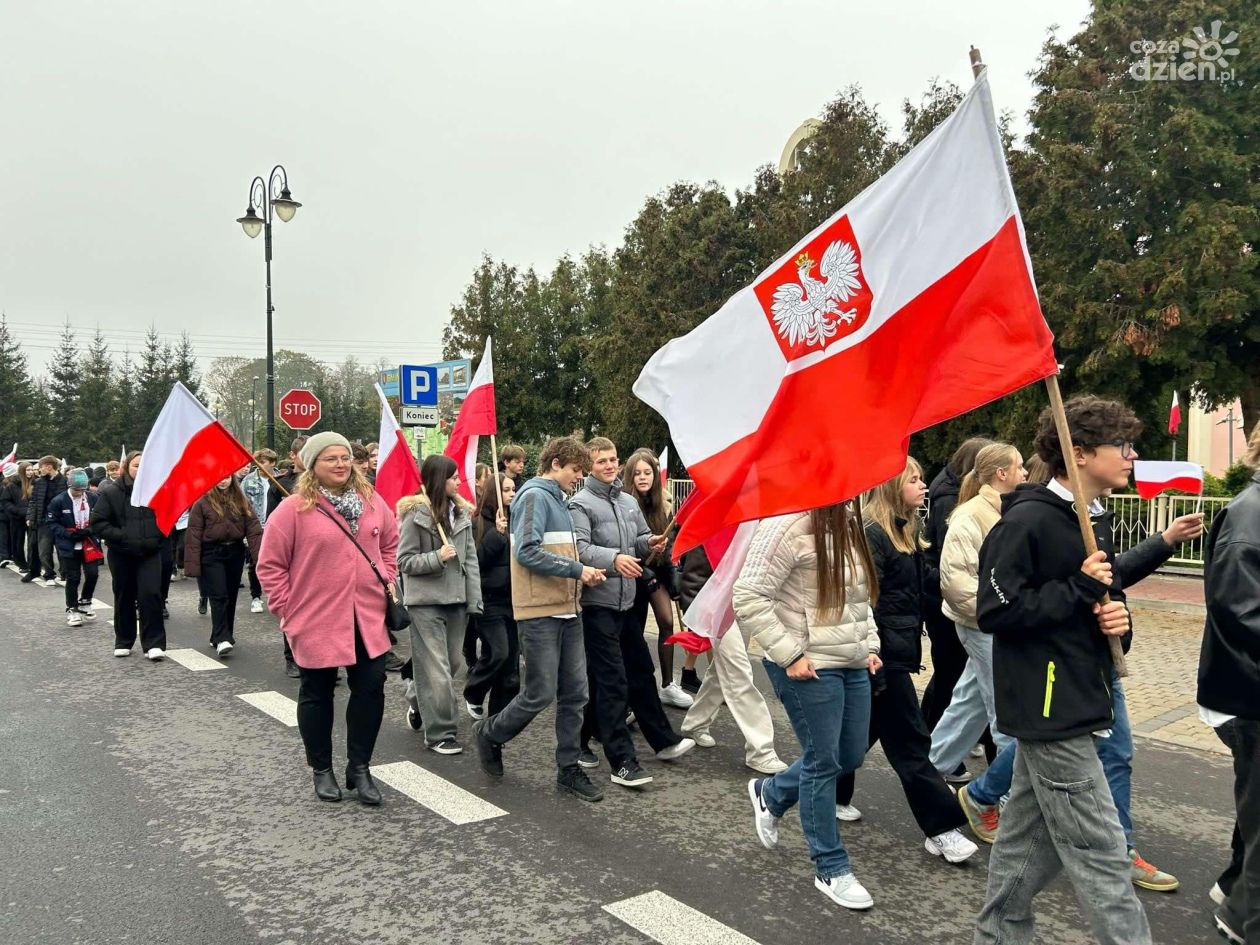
x=300 y=409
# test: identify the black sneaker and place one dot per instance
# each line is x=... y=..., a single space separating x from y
x=489 y=754
x=574 y=781
x=631 y=774
x=447 y=746
x=690 y=681
x=588 y=758
x=393 y=662
x=201 y=606
x=291 y=670
x=29 y=576
x=414 y=722
x=959 y=775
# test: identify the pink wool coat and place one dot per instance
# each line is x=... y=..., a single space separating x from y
x=318 y=584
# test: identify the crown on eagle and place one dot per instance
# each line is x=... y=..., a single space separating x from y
x=804 y=260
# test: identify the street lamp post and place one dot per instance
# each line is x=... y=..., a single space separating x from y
x=262 y=196
x=253 y=416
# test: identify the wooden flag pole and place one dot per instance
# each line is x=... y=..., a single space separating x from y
x=274 y=481
x=494 y=465
x=1069 y=459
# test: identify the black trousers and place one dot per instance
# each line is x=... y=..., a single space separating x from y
x=1242 y=907
x=948 y=661
x=73 y=567
x=255 y=586
x=621 y=675
x=167 y=555
x=897 y=724
x=497 y=673
x=39 y=551
x=137 y=587
x=221 y=566
x=364 y=710
x=17 y=542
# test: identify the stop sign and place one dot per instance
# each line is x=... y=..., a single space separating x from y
x=300 y=409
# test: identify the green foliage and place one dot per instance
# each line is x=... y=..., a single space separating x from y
x=20 y=422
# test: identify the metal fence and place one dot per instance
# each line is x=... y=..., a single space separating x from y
x=1136 y=519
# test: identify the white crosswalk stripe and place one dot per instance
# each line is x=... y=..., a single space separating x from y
x=101 y=605
x=191 y=659
x=436 y=793
x=278 y=706
x=664 y=919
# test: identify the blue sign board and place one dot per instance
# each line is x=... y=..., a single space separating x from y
x=418 y=385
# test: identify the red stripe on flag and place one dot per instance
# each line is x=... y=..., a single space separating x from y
x=476 y=418
x=397 y=476
x=843 y=425
x=1148 y=490
x=210 y=455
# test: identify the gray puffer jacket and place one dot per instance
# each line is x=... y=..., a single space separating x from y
x=607 y=523
x=776 y=600
x=428 y=579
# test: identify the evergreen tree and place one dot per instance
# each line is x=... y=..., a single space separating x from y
x=98 y=416
x=184 y=365
x=155 y=376
x=65 y=372
x=128 y=429
x=20 y=422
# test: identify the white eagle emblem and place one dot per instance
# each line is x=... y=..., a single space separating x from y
x=810 y=312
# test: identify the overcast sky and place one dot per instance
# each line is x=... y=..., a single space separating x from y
x=417 y=135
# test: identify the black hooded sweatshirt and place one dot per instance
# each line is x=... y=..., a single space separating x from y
x=1051 y=664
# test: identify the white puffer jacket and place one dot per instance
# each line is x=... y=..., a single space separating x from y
x=776 y=600
x=960 y=556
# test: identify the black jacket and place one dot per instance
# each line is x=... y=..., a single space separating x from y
x=43 y=491
x=899 y=610
x=274 y=498
x=60 y=519
x=942 y=499
x=495 y=562
x=1229 y=661
x=124 y=527
x=694 y=569
x=1051 y=664
x=12 y=502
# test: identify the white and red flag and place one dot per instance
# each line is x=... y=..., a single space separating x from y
x=11 y=458
x=914 y=304
x=1155 y=476
x=187 y=452
x=396 y=472
x=476 y=419
x=1174 y=415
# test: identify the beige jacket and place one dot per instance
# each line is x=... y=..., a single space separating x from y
x=776 y=601
x=960 y=555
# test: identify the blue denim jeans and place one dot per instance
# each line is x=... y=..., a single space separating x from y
x=831 y=716
x=1115 y=752
x=972 y=707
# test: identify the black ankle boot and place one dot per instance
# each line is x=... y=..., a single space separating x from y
x=326 y=788
x=359 y=778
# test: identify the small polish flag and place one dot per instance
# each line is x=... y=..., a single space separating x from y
x=396 y=472
x=476 y=419
x=1174 y=415
x=1156 y=476
x=663 y=462
x=186 y=453
x=11 y=458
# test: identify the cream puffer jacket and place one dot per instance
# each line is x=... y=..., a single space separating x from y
x=960 y=556
x=776 y=600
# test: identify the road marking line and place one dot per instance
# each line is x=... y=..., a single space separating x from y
x=191 y=659
x=278 y=706
x=436 y=793
x=670 y=922
x=101 y=605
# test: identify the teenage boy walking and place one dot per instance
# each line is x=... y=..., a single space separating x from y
x=67 y=520
x=546 y=579
x=47 y=486
x=1040 y=596
x=612 y=535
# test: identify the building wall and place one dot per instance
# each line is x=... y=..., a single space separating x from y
x=1209 y=437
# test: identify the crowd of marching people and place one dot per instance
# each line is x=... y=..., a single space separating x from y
x=560 y=571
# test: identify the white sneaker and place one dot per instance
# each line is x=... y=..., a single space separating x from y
x=845 y=890
x=766 y=824
x=156 y=654
x=1216 y=894
x=675 y=695
x=256 y=606
x=59 y=582
x=952 y=845
x=674 y=752
x=848 y=813
x=703 y=739
x=224 y=648
x=478 y=712
x=85 y=608
x=119 y=651
x=772 y=765
x=74 y=618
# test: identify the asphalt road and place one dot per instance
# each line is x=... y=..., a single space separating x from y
x=148 y=803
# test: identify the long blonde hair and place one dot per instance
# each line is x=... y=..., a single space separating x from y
x=989 y=460
x=884 y=506
x=308 y=487
x=840 y=544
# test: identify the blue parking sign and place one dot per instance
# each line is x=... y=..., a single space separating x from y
x=417 y=385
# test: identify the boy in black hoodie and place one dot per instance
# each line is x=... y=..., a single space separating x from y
x=1041 y=598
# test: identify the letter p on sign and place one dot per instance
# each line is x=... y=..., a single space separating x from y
x=417 y=385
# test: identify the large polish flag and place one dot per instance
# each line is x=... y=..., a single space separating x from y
x=476 y=419
x=914 y=304
x=1155 y=476
x=187 y=452
x=396 y=472
x=11 y=458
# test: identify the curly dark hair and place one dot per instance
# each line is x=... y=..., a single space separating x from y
x=1092 y=422
x=564 y=450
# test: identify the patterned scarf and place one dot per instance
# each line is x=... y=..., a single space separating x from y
x=349 y=505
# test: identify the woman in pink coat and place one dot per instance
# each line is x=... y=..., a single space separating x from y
x=331 y=606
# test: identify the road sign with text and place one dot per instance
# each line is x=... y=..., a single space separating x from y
x=300 y=409
x=418 y=385
x=419 y=416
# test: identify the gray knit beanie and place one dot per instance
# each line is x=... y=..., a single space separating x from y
x=318 y=443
